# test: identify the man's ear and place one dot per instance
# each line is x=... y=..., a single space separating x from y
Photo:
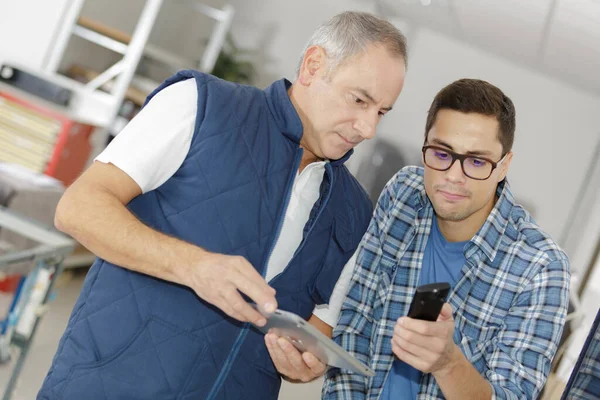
x=504 y=166
x=313 y=64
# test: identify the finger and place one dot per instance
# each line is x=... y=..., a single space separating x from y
x=247 y=280
x=277 y=355
x=293 y=356
x=246 y=269
x=245 y=311
x=422 y=353
x=408 y=358
x=428 y=342
x=227 y=309
x=425 y=328
x=220 y=301
x=446 y=313
x=316 y=366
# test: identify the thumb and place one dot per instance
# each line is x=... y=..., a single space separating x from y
x=446 y=313
x=311 y=360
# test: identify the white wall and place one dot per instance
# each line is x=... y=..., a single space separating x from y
x=556 y=123
x=278 y=30
x=26 y=35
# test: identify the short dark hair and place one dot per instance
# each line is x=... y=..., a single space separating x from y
x=477 y=96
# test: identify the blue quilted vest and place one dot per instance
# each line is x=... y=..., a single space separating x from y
x=131 y=336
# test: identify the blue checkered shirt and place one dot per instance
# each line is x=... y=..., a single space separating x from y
x=586 y=382
x=509 y=303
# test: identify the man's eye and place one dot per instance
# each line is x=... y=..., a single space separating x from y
x=358 y=100
x=442 y=155
x=477 y=162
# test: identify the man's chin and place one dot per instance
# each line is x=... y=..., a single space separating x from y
x=453 y=215
x=336 y=153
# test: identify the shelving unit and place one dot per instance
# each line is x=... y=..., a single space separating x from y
x=98 y=101
x=48 y=255
x=101 y=107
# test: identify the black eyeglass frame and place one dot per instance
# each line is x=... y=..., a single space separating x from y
x=461 y=158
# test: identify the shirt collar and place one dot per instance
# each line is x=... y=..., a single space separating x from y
x=287 y=117
x=489 y=238
x=283 y=110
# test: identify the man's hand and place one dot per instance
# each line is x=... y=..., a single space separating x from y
x=427 y=346
x=295 y=366
x=217 y=278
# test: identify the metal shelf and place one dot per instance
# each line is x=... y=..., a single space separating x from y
x=49 y=255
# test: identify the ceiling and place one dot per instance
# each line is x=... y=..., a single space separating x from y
x=559 y=37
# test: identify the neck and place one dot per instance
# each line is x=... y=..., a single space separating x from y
x=308 y=156
x=461 y=231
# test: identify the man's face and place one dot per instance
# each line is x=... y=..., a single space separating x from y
x=345 y=106
x=456 y=197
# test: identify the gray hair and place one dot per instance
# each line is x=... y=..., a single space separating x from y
x=350 y=33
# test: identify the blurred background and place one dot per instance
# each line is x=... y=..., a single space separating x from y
x=74 y=72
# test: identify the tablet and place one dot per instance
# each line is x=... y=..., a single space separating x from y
x=306 y=337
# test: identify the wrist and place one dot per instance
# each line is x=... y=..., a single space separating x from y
x=188 y=258
x=456 y=358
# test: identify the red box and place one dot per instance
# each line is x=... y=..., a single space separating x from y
x=41 y=138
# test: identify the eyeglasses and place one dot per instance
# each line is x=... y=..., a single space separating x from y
x=440 y=159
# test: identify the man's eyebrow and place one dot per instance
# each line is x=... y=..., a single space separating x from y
x=471 y=152
x=365 y=93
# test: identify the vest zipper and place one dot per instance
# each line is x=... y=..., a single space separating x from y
x=288 y=195
x=244 y=330
x=324 y=203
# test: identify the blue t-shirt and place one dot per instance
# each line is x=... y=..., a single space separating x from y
x=442 y=262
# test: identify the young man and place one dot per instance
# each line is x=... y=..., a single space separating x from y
x=455 y=221
x=215 y=191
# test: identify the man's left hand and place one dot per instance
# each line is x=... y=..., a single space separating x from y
x=294 y=365
x=427 y=346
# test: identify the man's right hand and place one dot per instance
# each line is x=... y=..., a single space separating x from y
x=217 y=278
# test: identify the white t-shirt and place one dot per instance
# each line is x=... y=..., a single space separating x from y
x=162 y=133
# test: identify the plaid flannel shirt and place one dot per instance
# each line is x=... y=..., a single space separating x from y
x=586 y=384
x=509 y=304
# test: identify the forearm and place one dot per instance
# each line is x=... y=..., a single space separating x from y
x=108 y=229
x=461 y=381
